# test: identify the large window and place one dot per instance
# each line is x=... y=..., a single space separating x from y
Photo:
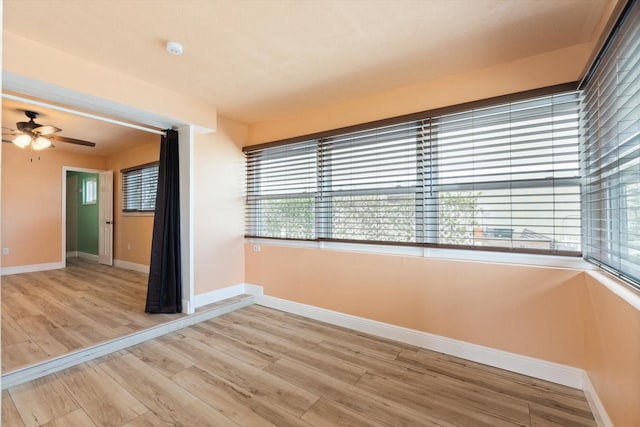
x=139 y=186
x=504 y=177
x=611 y=154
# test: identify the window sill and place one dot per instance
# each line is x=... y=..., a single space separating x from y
x=138 y=214
x=438 y=253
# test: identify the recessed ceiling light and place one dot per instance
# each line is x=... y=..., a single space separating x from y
x=174 y=48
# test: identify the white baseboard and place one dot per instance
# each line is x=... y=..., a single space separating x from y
x=72 y=254
x=85 y=255
x=254 y=290
x=538 y=368
x=597 y=408
x=131 y=266
x=224 y=293
x=18 y=269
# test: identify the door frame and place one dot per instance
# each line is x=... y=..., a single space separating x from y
x=45 y=91
x=66 y=169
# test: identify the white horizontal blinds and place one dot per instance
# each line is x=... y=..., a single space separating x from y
x=503 y=177
x=370 y=184
x=508 y=176
x=282 y=185
x=611 y=154
x=139 y=187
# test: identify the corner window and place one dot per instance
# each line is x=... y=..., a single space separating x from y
x=139 y=186
x=611 y=155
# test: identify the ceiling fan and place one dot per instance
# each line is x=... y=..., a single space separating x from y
x=38 y=136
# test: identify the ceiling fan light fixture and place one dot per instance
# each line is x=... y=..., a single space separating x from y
x=22 y=141
x=40 y=143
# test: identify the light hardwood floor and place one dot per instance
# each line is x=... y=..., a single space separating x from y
x=49 y=313
x=261 y=367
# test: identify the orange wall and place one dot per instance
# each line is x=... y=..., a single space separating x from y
x=612 y=328
x=132 y=233
x=219 y=207
x=528 y=310
x=78 y=74
x=560 y=315
x=32 y=203
x=560 y=66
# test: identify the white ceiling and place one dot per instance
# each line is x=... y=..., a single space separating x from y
x=259 y=59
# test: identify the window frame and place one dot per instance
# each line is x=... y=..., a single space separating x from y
x=87 y=182
x=610 y=149
x=141 y=209
x=426 y=210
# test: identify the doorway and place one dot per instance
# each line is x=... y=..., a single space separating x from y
x=87 y=215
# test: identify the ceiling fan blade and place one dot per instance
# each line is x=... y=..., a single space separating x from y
x=72 y=141
x=46 y=130
x=7 y=140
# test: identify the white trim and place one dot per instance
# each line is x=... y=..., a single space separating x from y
x=254 y=290
x=216 y=295
x=85 y=255
x=186 y=161
x=210 y=297
x=597 y=408
x=131 y=266
x=31 y=268
x=81 y=114
x=617 y=287
x=553 y=261
x=66 y=169
x=187 y=307
x=72 y=254
x=37 y=88
x=538 y=368
x=77 y=357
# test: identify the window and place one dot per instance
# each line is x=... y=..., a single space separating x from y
x=90 y=190
x=611 y=154
x=504 y=177
x=139 y=185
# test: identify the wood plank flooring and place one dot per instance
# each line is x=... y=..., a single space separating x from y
x=261 y=367
x=50 y=313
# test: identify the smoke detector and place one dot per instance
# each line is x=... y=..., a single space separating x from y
x=174 y=48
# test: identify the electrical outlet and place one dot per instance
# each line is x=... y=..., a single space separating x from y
x=128 y=246
x=256 y=248
x=5 y=251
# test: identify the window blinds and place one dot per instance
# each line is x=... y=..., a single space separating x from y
x=139 y=186
x=611 y=154
x=508 y=176
x=281 y=191
x=504 y=177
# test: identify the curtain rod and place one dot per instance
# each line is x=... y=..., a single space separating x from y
x=82 y=114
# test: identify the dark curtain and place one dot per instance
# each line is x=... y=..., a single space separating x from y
x=164 y=293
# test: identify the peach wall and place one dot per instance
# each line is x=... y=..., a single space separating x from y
x=132 y=233
x=219 y=207
x=32 y=203
x=612 y=328
x=560 y=315
x=534 y=311
x=556 y=67
x=82 y=76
